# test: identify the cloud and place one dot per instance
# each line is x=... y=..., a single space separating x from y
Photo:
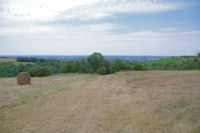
x=58 y=30
x=43 y=27
x=54 y=10
x=87 y=38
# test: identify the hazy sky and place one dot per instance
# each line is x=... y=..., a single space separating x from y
x=112 y=27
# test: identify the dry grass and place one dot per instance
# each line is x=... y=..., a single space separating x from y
x=126 y=102
x=7 y=60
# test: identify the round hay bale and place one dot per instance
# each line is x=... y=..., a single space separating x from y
x=23 y=78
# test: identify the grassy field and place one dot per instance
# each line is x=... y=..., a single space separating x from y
x=174 y=63
x=7 y=60
x=125 y=102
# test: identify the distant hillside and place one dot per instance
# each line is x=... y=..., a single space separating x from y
x=4 y=59
x=174 y=63
x=126 y=59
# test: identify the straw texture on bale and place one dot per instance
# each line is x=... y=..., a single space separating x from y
x=23 y=78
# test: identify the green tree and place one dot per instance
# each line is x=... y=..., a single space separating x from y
x=117 y=65
x=199 y=65
x=106 y=64
x=28 y=66
x=95 y=61
x=198 y=55
x=8 y=70
x=20 y=68
x=75 y=67
x=66 y=67
x=102 y=70
x=138 y=67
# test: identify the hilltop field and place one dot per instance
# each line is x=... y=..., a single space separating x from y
x=124 y=102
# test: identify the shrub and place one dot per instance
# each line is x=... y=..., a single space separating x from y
x=198 y=54
x=106 y=64
x=199 y=65
x=75 y=67
x=117 y=65
x=40 y=72
x=102 y=70
x=66 y=67
x=138 y=67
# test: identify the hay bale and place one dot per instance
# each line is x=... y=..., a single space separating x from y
x=23 y=78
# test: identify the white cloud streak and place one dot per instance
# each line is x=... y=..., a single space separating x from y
x=52 y=10
x=23 y=35
x=73 y=40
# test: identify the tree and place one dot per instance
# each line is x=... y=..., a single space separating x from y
x=82 y=68
x=198 y=54
x=199 y=65
x=20 y=59
x=106 y=64
x=138 y=67
x=66 y=67
x=95 y=61
x=117 y=65
x=28 y=66
x=20 y=68
x=102 y=70
x=33 y=59
x=75 y=67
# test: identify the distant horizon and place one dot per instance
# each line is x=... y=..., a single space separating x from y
x=102 y=54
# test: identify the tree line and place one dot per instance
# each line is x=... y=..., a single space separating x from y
x=36 y=67
x=95 y=63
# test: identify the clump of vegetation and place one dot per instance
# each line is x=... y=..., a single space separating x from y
x=66 y=67
x=23 y=78
x=95 y=61
x=102 y=70
x=11 y=69
x=40 y=72
x=138 y=67
x=198 y=55
x=117 y=65
x=27 y=59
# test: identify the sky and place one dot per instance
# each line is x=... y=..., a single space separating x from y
x=111 y=27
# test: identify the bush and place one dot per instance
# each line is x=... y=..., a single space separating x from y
x=198 y=55
x=137 y=67
x=199 y=65
x=8 y=70
x=106 y=64
x=66 y=67
x=117 y=65
x=75 y=67
x=40 y=72
x=102 y=70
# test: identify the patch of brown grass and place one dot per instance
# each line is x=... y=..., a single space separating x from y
x=7 y=60
x=125 y=102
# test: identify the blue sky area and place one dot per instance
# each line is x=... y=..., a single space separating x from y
x=112 y=27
